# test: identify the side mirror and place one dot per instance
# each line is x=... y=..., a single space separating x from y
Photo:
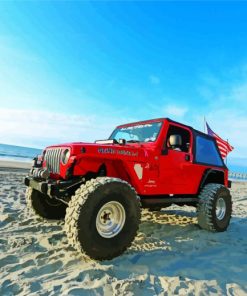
x=122 y=141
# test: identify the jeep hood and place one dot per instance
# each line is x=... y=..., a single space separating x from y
x=83 y=149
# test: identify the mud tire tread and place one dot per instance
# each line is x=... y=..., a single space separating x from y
x=79 y=201
x=205 y=208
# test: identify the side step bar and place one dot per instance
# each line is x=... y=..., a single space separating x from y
x=146 y=202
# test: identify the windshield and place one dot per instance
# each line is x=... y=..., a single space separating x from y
x=137 y=133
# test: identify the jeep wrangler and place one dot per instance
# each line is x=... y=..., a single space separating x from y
x=100 y=188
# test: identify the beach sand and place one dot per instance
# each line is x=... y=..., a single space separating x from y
x=14 y=164
x=170 y=255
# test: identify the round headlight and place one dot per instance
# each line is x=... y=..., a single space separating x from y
x=65 y=156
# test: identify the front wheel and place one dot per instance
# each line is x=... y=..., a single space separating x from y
x=103 y=217
x=214 y=208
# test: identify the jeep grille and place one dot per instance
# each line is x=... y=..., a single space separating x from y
x=53 y=158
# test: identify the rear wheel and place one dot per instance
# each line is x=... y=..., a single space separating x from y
x=214 y=208
x=103 y=218
x=44 y=206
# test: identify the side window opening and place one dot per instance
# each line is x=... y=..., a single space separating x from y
x=206 y=152
x=174 y=133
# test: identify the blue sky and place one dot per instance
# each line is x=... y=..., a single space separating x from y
x=71 y=71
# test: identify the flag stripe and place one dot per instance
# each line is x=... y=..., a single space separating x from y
x=224 y=146
x=224 y=143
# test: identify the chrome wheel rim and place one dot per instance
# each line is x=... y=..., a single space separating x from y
x=220 y=208
x=110 y=219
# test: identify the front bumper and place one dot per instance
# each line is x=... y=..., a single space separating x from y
x=53 y=188
x=44 y=187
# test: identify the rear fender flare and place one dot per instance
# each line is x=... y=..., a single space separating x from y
x=211 y=176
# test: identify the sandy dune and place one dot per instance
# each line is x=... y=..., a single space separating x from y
x=170 y=256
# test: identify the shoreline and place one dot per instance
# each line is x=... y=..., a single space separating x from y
x=8 y=163
x=14 y=164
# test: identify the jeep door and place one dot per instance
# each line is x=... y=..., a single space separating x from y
x=176 y=167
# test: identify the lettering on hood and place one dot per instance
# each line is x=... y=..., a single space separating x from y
x=119 y=152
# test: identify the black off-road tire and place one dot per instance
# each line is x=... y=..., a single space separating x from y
x=206 y=209
x=44 y=206
x=82 y=213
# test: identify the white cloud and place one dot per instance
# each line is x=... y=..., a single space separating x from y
x=231 y=126
x=239 y=92
x=226 y=111
x=175 y=111
x=40 y=128
x=154 y=79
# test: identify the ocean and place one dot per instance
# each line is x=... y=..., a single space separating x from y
x=18 y=153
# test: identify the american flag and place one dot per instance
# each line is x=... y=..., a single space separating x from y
x=223 y=145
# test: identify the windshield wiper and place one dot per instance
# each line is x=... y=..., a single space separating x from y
x=133 y=141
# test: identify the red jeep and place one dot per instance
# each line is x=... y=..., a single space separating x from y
x=100 y=188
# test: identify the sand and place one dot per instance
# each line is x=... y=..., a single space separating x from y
x=15 y=164
x=170 y=255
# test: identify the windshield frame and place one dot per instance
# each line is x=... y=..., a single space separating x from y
x=136 y=124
